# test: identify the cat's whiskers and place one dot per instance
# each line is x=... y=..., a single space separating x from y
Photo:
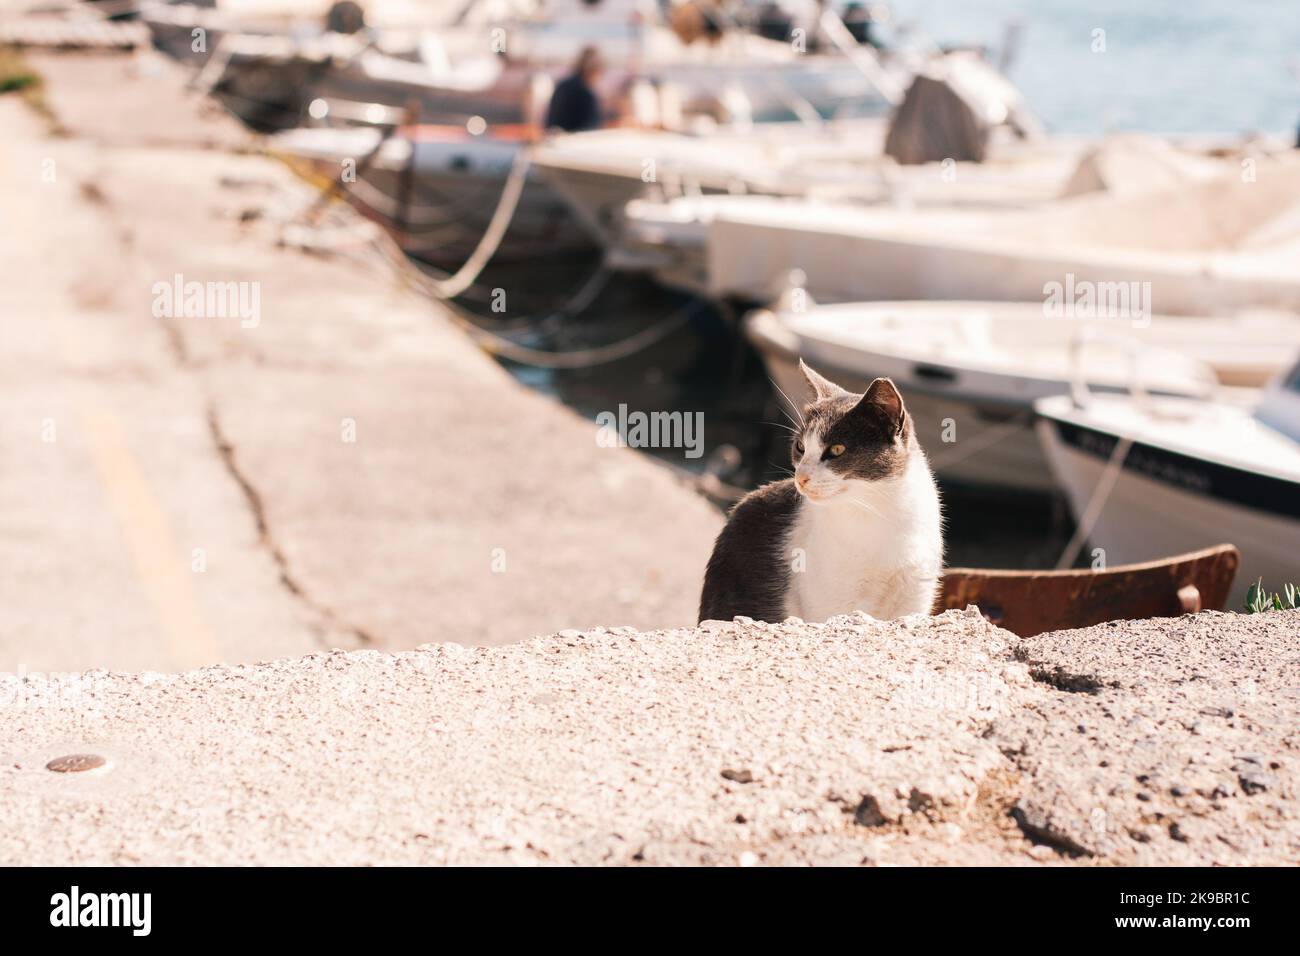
x=792 y=431
x=801 y=422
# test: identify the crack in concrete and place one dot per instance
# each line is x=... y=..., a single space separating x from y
x=253 y=499
x=328 y=619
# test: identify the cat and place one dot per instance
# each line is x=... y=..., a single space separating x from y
x=858 y=527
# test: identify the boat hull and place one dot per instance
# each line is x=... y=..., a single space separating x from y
x=1164 y=503
x=597 y=198
x=750 y=256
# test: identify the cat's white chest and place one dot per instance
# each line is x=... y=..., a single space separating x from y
x=846 y=557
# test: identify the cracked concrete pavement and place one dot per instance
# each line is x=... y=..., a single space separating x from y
x=928 y=740
x=349 y=472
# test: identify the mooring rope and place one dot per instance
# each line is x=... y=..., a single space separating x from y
x=463 y=279
x=487 y=246
x=578 y=358
x=426 y=216
x=571 y=307
x=499 y=345
x=1096 y=503
x=503 y=347
x=989 y=437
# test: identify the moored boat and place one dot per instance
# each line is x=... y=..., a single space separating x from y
x=971 y=371
x=602 y=172
x=1158 y=474
x=1211 y=246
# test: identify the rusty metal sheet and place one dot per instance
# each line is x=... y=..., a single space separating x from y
x=1032 y=602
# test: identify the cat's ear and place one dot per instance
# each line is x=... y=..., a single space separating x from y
x=823 y=388
x=883 y=398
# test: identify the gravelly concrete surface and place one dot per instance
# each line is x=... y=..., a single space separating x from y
x=852 y=742
x=1175 y=741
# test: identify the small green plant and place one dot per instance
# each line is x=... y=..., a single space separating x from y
x=15 y=75
x=12 y=82
x=1258 y=600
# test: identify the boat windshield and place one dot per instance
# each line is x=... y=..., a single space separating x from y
x=1291 y=381
x=1280 y=407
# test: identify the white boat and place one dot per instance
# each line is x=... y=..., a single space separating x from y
x=1210 y=247
x=602 y=171
x=476 y=109
x=191 y=32
x=275 y=82
x=971 y=371
x=845 y=161
x=486 y=66
x=1156 y=476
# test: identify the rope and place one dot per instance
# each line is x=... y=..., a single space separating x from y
x=451 y=286
x=575 y=305
x=211 y=72
x=579 y=358
x=417 y=214
x=982 y=441
x=1100 y=495
x=503 y=347
x=464 y=277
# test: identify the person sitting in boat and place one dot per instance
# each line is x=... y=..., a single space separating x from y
x=345 y=17
x=574 y=104
x=774 y=23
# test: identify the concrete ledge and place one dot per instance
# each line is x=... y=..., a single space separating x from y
x=930 y=740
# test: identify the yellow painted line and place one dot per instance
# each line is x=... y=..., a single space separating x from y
x=161 y=569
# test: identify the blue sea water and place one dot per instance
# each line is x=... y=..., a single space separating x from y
x=1174 y=67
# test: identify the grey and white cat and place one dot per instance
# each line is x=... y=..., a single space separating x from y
x=858 y=527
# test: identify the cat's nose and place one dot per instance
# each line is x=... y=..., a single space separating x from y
x=801 y=481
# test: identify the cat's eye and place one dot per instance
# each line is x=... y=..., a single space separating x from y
x=798 y=446
x=835 y=451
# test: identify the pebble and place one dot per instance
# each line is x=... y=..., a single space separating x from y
x=868 y=813
x=1256 y=781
